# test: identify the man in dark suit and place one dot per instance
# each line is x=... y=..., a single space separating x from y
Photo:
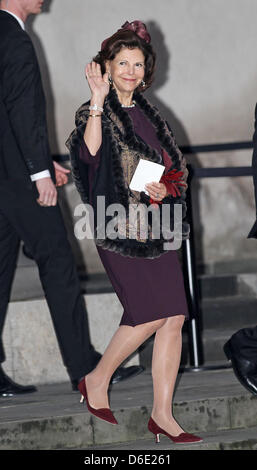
x=241 y=348
x=28 y=201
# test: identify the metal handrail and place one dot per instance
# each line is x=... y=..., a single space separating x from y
x=188 y=248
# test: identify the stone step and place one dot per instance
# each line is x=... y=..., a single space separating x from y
x=229 y=312
x=209 y=286
x=212 y=342
x=32 y=352
x=27 y=283
x=38 y=360
x=236 y=439
x=230 y=284
x=27 y=286
x=233 y=265
x=217 y=285
x=205 y=402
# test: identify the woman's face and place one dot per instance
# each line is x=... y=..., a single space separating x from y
x=127 y=69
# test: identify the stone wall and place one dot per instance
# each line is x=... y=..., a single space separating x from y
x=32 y=352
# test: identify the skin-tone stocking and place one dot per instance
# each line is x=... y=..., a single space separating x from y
x=165 y=364
x=124 y=342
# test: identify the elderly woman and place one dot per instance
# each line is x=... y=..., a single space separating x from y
x=116 y=129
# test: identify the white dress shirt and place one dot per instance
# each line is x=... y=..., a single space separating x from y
x=44 y=173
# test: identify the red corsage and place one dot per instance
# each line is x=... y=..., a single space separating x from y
x=172 y=180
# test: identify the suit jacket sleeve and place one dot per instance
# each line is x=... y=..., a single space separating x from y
x=25 y=103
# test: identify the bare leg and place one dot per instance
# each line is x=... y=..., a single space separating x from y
x=124 y=342
x=165 y=365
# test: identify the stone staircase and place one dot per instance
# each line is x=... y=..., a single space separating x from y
x=228 y=302
x=210 y=402
x=236 y=439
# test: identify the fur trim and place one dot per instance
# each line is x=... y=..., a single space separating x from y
x=118 y=128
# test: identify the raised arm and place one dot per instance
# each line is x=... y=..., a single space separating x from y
x=99 y=87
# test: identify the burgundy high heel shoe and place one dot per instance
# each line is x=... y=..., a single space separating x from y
x=183 y=438
x=102 y=413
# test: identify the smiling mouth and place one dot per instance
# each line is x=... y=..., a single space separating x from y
x=129 y=79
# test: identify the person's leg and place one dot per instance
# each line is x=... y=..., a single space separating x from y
x=165 y=364
x=123 y=343
x=9 y=248
x=43 y=232
x=60 y=282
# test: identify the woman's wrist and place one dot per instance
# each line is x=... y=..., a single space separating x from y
x=167 y=191
x=96 y=108
x=97 y=100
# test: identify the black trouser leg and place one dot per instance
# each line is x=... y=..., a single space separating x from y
x=9 y=248
x=43 y=232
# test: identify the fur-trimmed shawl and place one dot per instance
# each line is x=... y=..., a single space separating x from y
x=118 y=134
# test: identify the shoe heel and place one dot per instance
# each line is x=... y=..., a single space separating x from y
x=226 y=350
x=153 y=428
x=102 y=413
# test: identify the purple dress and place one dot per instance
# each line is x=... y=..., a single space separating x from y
x=148 y=289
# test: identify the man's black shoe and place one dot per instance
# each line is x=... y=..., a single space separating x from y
x=245 y=371
x=122 y=373
x=8 y=388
